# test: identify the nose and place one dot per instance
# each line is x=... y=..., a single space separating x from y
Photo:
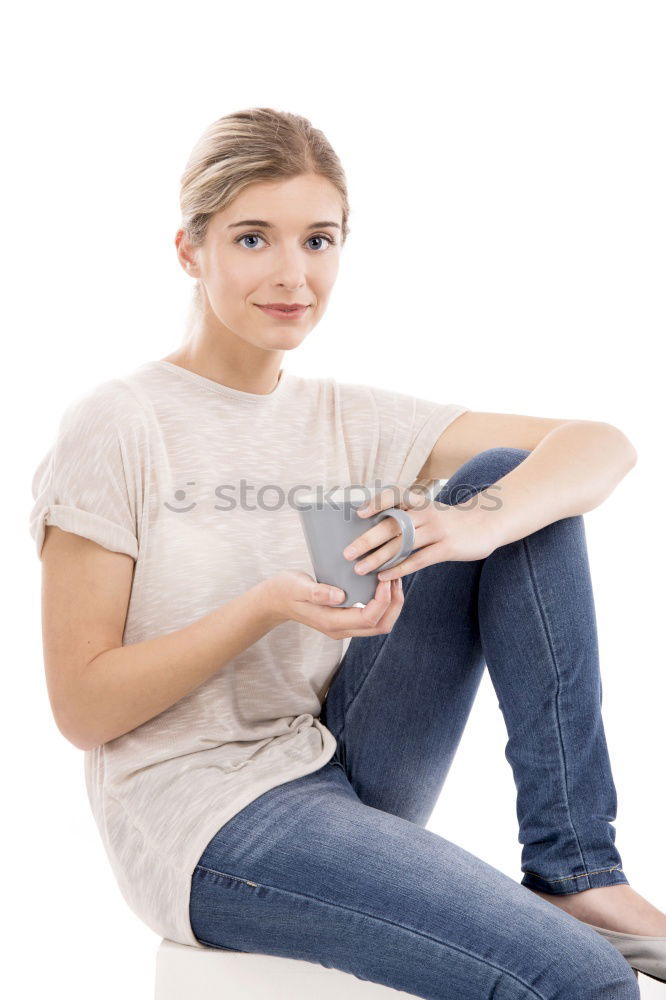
x=291 y=281
x=290 y=271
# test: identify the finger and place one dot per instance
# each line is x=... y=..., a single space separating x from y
x=427 y=556
x=395 y=497
x=327 y=595
x=384 y=583
x=395 y=606
x=375 y=559
x=388 y=619
x=416 y=501
x=377 y=605
x=343 y=619
x=388 y=530
x=380 y=501
x=370 y=539
x=424 y=535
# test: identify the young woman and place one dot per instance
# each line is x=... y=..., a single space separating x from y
x=262 y=764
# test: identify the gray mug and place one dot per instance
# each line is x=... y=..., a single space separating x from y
x=330 y=525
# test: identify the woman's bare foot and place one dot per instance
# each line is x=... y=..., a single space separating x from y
x=613 y=907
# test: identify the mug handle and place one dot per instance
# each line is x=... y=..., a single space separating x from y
x=408 y=535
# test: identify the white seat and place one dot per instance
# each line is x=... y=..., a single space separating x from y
x=185 y=972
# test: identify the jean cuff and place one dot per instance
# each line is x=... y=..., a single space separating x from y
x=576 y=883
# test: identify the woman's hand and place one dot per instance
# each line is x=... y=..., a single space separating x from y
x=443 y=533
x=296 y=596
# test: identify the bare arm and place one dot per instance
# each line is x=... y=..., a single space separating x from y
x=100 y=689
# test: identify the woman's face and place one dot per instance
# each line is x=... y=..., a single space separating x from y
x=291 y=255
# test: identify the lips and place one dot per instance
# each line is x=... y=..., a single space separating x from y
x=283 y=308
x=283 y=312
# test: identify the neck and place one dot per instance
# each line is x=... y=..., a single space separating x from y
x=230 y=361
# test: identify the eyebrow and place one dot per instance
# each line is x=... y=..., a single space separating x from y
x=269 y=225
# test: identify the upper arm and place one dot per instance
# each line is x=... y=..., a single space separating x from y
x=85 y=597
x=475 y=431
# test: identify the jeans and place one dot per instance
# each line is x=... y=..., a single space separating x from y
x=337 y=867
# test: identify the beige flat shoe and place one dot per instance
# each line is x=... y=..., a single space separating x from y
x=644 y=953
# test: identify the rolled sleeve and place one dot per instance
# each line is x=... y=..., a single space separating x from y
x=84 y=484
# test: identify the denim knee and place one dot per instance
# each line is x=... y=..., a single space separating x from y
x=479 y=472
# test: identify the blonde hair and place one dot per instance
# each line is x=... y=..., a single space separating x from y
x=239 y=149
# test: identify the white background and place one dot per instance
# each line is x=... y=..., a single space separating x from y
x=506 y=168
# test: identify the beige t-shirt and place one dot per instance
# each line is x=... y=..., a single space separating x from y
x=168 y=467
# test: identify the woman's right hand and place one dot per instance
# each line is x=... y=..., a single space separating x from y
x=298 y=597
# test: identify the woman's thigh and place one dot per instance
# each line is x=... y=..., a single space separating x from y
x=308 y=871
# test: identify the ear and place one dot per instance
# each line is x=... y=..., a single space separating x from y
x=186 y=253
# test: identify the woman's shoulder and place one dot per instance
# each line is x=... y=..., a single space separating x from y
x=114 y=401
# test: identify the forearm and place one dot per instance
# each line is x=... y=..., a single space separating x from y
x=571 y=471
x=124 y=687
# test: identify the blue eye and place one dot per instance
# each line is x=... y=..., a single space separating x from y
x=248 y=236
x=319 y=236
x=323 y=236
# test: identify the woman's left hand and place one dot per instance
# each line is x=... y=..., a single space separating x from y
x=443 y=533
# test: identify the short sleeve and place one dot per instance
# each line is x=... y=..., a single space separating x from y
x=86 y=482
x=391 y=434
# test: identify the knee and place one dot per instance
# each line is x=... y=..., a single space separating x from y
x=479 y=472
x=601 y=970
x=621 y=984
